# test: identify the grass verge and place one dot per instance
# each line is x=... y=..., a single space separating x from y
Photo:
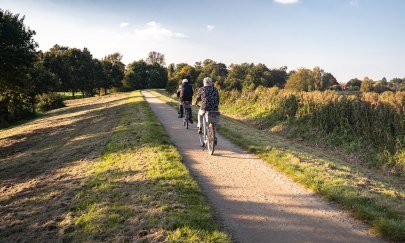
x=139 y=190
x=376 y=199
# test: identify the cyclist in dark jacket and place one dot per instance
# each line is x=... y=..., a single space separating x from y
x=185 y=93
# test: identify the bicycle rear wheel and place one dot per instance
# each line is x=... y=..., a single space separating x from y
x=211 y=139
x=186 y=117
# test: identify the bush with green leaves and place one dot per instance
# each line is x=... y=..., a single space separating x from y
x=50 y=101
x=369 y=125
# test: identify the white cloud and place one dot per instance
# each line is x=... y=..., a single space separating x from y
x=354 y=3
x=210 y=27
x=286 y=1
x=155 y=31
x=124 y=24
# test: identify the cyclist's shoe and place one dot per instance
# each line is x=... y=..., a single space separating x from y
x=199 y=130
x=191 y=121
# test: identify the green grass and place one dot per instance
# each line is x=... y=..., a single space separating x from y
x=376 y=199
x=140 y=190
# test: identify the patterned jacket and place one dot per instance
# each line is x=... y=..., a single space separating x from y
x=209 y=96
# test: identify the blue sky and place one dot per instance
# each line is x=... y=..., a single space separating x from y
x=348 y=38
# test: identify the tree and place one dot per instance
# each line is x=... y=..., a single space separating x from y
x=301 y=80
x=366 y=85
x=186 y=72
x=41 y=81
x=328 y=81
x=17 y=51
x=381 y=86
x=279 y=76
x=170 y=70
x=140 y=75
x=56 y=60
x=353 y=84
x=17 y=57
x=317 y=73
x=397 y=84
x=258 y=75
x=155 y=57
x=216 y=71
x=114 y=70
x=135 y=76
x=236 y=76
x=81 y=66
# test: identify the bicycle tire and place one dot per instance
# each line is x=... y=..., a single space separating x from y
x=211 y=140
x=186 y=117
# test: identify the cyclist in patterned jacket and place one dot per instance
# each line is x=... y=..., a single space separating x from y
x=210 y=100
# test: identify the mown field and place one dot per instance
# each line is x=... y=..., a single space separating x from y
x=370 y=194
x=100 y=169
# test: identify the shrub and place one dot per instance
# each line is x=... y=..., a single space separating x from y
x=49 y=101
x=367 y=124
x=14 y=107
x=172 y=85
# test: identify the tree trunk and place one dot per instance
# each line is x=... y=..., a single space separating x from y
x=105 y=91
x=73 y=94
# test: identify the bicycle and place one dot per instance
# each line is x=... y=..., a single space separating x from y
x=208 y=137
x=187 y=113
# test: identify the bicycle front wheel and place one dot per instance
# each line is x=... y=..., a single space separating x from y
x=211 y=140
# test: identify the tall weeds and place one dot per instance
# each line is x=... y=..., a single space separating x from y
x=368 y=125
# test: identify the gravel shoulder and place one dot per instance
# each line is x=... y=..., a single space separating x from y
x=255 y=202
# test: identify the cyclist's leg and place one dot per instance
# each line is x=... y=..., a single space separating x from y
x=190 y=115
x=200 y=119
x=180 y=111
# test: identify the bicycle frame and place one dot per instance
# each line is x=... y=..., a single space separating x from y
x=205 y=136
x=186 y=112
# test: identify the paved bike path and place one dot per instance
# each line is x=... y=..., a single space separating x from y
x=254 y=202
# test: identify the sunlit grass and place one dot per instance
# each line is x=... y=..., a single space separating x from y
x=371 y=197
x=140 y=190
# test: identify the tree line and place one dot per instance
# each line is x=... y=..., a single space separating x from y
x=250 y=76
x=27 y=75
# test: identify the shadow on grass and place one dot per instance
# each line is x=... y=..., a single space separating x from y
x=41 y=177
x=378 y=201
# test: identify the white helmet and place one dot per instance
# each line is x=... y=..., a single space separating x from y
x=184 y=81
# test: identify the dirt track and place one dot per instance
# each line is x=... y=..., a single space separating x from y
x=255 y=202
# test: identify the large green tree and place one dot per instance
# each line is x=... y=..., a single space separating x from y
x=353 y=84
x=218 y=72
x=302 y=80
x=17 y=58
x=17 y=51
x=237 y=75
x=114 y=69
x=141 y=75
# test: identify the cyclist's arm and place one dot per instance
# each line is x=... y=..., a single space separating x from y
x=198 y=98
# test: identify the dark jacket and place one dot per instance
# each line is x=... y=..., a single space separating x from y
x=185 y=92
